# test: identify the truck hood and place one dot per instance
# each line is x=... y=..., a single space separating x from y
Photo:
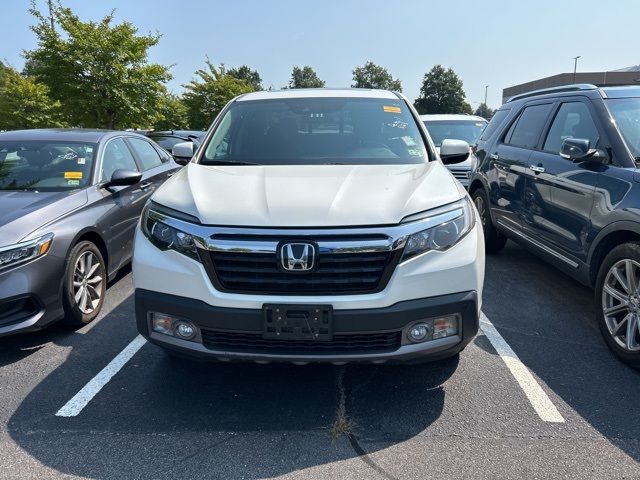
x=307 y=195
x=22 y=212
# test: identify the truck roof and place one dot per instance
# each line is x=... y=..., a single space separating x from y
x=319 y=93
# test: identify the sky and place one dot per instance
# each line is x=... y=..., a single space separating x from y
x=495 y=43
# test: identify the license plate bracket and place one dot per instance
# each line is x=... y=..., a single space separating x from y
x=297 y=322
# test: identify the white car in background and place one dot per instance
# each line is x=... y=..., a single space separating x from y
x=456 y=127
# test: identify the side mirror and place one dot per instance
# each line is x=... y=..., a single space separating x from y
x=182 y=152
x=579 y=149
x=122 y=177
x=454 y=151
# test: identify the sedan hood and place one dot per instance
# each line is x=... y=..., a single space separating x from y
x=307 y=195
x=22 y=212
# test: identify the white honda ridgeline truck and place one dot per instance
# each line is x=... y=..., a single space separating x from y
x=312 y=226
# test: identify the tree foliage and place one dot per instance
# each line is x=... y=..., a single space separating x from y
x=25 y=103
x=305 y=77
x=206 y=95
x=442 y=92
x=484 y=111
x=374 y=76
x=247 y=75
x=99 y=71
x=172 y=114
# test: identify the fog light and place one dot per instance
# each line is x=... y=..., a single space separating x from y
x=162 y=323
x=185 y=330
x=419 y=332
x=445 y=326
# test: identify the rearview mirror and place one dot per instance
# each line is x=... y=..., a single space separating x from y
x=454 y=151
x=579 y=149
x=182 y=152
x=122 y=177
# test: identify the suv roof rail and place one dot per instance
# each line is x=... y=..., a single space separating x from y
x=561 y=89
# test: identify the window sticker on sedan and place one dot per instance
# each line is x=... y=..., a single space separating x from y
x=73 y=182
x=391 y=109
x=73 y=175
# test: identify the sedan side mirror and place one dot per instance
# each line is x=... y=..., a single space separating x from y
x=579 y=149
x=454 y=151
x=122 y=177
x=182 y=152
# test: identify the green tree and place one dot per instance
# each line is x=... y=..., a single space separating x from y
x=247 y=75
x=305 y=77
x=206 y=95
x=172 y=114
x=374 y=76
x=484 y=111
x=99 y=71
x=442 y=92
x=25 y=103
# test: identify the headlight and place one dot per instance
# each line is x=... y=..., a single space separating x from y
x=453 y=222
x=165 y=237
x=25 y=251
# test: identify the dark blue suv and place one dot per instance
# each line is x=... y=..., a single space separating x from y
x=558 y=173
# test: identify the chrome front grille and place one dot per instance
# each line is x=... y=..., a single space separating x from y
x=344 y=265
x=339 y=273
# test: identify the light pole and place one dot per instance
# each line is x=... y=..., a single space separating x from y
x=575 y=67
x=486 y=87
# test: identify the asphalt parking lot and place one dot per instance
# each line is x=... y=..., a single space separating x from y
x=158 y=418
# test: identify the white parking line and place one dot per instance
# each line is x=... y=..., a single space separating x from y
x=80 y=400
x=539 y=400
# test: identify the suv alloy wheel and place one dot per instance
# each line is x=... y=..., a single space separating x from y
x=618 y=301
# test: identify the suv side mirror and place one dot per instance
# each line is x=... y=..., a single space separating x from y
x=182 y=152
x=454 y=151
x=579 y=149
x=122 y=177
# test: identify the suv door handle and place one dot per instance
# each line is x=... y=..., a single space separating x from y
x=537 y=168
x=494 y=156
x=145 y=185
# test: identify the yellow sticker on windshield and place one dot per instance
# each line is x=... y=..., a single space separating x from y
x=391 y=109
x=73 y=175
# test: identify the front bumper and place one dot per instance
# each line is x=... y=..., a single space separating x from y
x=31 y=295
x=394 y=318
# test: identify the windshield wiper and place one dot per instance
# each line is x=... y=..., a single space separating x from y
x=227 y=162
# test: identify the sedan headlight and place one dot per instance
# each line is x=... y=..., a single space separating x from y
x=166 y=237
x=451 y=224
x=23 y=252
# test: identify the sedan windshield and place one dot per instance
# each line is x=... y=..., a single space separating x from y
x=626 y=113
x=467 y=130
x=316 y=131
x=45 y=166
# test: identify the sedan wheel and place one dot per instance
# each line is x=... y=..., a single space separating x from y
x=87 y=282
x=621 y=304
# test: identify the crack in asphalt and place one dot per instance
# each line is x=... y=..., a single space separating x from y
x=343 y=426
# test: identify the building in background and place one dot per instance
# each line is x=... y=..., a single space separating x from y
x=624 y=76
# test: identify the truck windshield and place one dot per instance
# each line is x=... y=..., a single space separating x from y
x=45 y=166
x=626 y=113
x=316 y=131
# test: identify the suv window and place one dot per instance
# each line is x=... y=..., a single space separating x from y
x=146 y=152
x=317 y=131
x=116 y=156
x=573 y=120
x=526 y=131
x=497 y=120
x=166 y=142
